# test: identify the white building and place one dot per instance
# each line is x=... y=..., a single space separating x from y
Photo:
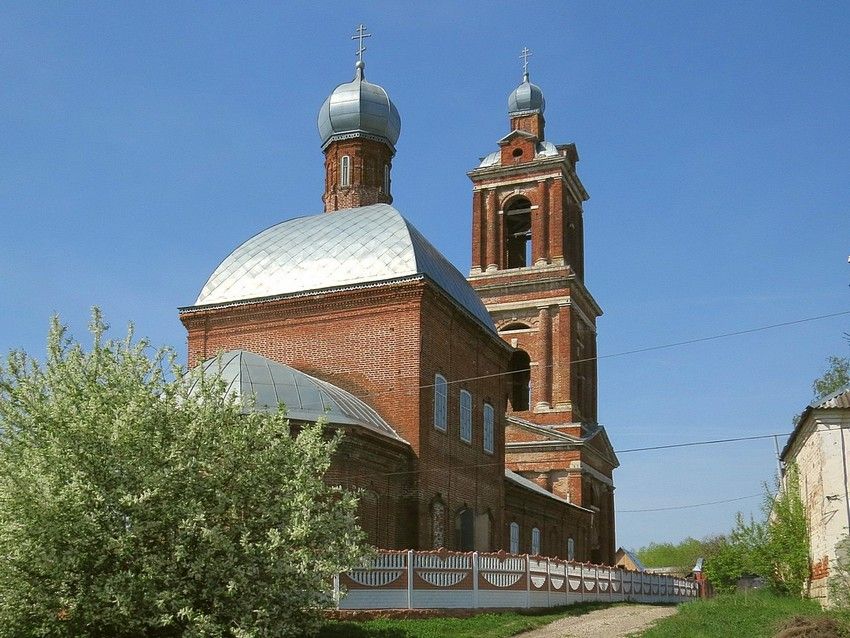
x=821 y=451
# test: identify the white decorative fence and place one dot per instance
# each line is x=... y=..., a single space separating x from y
x=442 y=580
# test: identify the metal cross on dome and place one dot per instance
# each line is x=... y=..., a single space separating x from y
x=361 y=33
x=524 y=55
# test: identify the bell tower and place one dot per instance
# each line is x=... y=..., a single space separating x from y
x=528 y=268
x=528 y=263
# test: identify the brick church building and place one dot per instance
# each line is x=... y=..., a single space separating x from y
x=468 y=405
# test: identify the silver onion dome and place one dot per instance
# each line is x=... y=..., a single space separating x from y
x=359 y=108
x=526 y=97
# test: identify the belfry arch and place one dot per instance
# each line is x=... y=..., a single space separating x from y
x=518 y=233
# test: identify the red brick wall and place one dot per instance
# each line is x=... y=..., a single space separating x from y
x=556 y=521
x=381 y=470
x=460 y=474
x=366 y=175
x=381 y=344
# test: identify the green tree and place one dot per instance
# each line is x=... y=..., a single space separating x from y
x=776 y=549
x=740 y=553
x=786 y=552
x=130 y=506
x=836 y=376
x=682 y=555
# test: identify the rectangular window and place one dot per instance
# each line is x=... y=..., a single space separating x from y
x=488 y=428
x=386 y=179
x=535 y=541
x=345 y=171
x=441 y=391
x=514 y=538
x=465 y=416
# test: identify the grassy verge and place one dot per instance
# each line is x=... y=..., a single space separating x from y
x=497 y=625
x=754 y=615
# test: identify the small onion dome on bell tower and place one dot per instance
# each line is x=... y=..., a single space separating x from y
x=359 y=126
x=527 y=97
x=526 y=103
x=359 y=109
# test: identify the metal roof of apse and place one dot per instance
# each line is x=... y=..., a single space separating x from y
x=306 y=398
x=359 y=107
x=371 y=244
x=543 y=149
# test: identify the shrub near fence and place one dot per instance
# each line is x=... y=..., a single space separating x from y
x=444 y=580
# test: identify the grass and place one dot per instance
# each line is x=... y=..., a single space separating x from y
x=488 y=625
x=750 y=615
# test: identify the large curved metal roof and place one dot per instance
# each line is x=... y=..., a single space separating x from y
x=306 y=398
x=370 y=244
x=359 y=108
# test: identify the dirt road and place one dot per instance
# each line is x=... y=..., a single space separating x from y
x=614 y=622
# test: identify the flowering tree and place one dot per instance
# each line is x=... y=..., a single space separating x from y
x=132 y=507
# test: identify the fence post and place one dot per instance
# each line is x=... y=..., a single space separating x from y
x=581 y=581
x=336 y=591
x=410 y=579
x=527 y=582
x=475 y=580
x=548 y=583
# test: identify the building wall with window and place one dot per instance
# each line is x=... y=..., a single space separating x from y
x=560 y=526
x=461 y=475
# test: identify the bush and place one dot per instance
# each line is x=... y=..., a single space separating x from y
x=130 y=506
x=777 y=549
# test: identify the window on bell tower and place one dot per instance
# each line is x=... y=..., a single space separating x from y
x=386 y=179
x=520 y=381
x=518 y=233
x=345 y=171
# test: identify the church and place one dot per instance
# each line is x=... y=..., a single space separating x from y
x=468 y=403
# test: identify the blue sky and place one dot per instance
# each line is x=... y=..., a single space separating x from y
x=141 y=142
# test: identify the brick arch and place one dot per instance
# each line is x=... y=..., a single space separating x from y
x=532 y=197
x=514 y=324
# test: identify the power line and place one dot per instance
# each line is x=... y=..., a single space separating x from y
x=695 y=443
x=684 y=507
x=613 y=355
x=470 y=466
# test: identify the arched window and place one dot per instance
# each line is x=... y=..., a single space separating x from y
x=489 y=417
x=386 y=179
x=465 y=530
x=345 y=171
x=441 y=395
x=514 y=538
x=518 y=233
x=520 y=380
x=571 y=549
x=535 y=541
x=465 y=416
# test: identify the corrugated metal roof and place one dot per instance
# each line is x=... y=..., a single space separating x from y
x=838 y=399
x=330 y=250
x=306 y=398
